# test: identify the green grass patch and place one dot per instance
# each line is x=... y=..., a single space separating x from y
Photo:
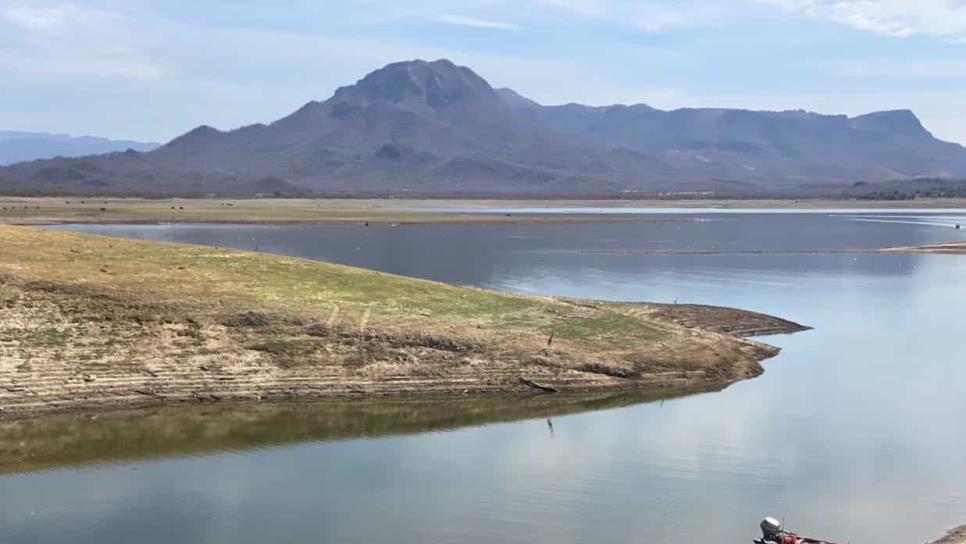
x=281 y=347
x=608 y=325
x=44 y=337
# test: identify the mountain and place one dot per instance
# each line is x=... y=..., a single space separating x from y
x=779 y=149
x=438 y=129
x=26 y=146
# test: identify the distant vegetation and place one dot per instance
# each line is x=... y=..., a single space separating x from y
x=906 y=190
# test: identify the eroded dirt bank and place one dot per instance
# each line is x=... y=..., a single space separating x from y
x=731 y=321
x=91 y=322
x=954 y=536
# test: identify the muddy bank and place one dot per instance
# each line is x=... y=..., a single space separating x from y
x=740 y=323
x=94 y=323
x=954 y=536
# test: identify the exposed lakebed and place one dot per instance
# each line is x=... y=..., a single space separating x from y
x=854 y=432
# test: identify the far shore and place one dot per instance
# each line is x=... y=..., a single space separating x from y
x=54 y=210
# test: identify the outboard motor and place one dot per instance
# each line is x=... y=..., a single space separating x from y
x=770 y=527
x=771 y=530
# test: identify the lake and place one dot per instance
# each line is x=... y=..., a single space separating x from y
x=855 y=432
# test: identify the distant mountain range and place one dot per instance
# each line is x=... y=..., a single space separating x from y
x=437 y=129
x=27 y=146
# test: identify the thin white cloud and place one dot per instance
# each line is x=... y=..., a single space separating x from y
x=650 y=16
x=898 y=18
x=36 y=18
x=585 y=8
x=68 y=39
x=475 y=22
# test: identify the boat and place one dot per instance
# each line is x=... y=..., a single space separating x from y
x=772 y=532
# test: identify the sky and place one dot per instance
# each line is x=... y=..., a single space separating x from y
x=151 y=70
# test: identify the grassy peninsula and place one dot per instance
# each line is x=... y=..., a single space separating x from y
x=93 y=322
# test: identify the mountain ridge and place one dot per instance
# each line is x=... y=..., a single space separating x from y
x=20 y=146
x=438 y=129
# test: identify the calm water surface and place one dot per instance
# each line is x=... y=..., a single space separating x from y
x=856 y=432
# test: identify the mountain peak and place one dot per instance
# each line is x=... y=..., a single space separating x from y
x=898 y=122
x=195 y=137
x=439 y=84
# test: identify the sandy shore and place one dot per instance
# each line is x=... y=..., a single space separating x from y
x=92 y=322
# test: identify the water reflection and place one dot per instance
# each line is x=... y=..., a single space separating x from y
x=76 y=440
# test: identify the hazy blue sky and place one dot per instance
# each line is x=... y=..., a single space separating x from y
x=154 y=69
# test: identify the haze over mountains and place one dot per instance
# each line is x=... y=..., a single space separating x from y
x=437 y=129
x=18 y=146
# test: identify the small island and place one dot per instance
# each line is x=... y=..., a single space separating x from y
x=92 y=322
